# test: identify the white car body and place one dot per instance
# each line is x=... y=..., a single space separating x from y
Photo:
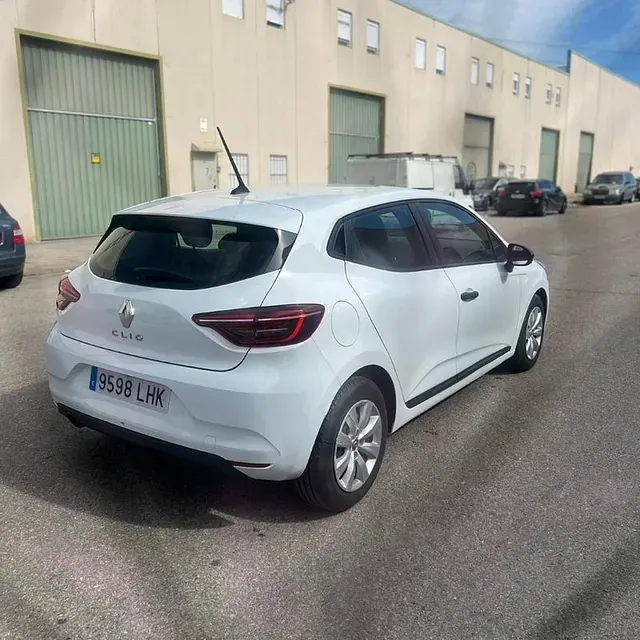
x=262 y=408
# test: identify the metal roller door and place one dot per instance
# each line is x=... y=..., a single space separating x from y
x=477 y=146
x=95 y=144
x=585 y=158
x=549 y=155
x=355 y=127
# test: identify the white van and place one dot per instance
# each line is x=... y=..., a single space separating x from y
x=411 y=170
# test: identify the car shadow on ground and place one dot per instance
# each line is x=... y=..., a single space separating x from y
x=45 y=456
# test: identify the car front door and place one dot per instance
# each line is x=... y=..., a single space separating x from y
x=489 y=298
x=411 y=301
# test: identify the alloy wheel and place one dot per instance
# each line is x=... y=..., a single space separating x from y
x=533 y=333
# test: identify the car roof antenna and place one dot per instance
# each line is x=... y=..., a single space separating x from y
x=242 y=187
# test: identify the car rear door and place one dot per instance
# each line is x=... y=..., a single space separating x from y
x=489 y=298
x=408 y=297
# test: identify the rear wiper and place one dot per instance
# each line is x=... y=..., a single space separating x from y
x=156 y=274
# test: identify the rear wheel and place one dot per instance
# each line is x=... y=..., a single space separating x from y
x=11 y=282
x=530 y=338
x=349 y=449
x=563 y=208
x=544 y=209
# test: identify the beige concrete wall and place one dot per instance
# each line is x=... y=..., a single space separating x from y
x=268 y=88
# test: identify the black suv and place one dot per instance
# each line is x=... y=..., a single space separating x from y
x=531 y=197
x=12 y=251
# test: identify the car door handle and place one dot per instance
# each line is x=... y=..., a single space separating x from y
x=469 y=295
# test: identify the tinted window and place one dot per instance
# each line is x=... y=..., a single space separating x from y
x=463 y=239
x=520 y=187
x=186 y=253
x=608 y=178
x=386 y=238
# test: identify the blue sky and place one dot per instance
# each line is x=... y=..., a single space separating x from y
x=607 y=31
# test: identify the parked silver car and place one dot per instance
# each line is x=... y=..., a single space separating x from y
x=611 y=187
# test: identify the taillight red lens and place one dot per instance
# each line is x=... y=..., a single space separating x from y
x=536 y=194
x=264 y=326
x=67 y=294
x=502 y=194
x=18 y=236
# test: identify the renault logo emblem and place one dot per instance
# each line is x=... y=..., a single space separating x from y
x=126 y=314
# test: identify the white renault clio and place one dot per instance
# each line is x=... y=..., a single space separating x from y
x=290 y=334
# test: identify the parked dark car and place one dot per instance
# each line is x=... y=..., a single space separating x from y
x=611 y=187
x=637 y=188
x=485 y=192
x=12 y=251
x=531 y=197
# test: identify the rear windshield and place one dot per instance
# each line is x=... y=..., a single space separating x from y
x=511 y=187
x=608 y=178
x=187 y=253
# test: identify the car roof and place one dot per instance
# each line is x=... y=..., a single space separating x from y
x=277 y=207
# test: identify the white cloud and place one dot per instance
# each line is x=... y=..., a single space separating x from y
x=518 y=22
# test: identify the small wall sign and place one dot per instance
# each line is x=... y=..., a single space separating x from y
x=95 y=158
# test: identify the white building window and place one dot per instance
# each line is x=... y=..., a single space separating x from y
x=523 y=171
x=233 y=8
x=549 y=93
x=441 y=60
x=275 y=13
x=344 y=28
x=475 y=70
x=527 y=88
x=558 y=96
x=373 y=36
x=242 y=162
x=421 y=54
x=510 y=171
x=489 y=75
x=278 y=169
x=516 y=84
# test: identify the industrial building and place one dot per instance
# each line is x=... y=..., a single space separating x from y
x=107 y=103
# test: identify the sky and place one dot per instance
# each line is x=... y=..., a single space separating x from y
x=606 y=31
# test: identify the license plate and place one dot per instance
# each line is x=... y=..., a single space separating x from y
x=133 y=390
x=517 y=196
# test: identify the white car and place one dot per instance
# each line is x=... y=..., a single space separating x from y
x=290 y=334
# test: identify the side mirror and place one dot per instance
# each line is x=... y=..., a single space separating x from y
x=518 y=256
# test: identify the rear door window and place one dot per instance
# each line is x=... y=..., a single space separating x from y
x=187 y=253
x=386 y=238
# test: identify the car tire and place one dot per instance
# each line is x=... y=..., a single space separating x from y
x=563 y=208
x=533 y=326
x=544 y=209
x=323 y=482
x=11 y=282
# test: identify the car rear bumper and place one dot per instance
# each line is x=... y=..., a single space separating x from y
x=261 y=420
x=520 y=208
x=608 y=199
x=11 y=266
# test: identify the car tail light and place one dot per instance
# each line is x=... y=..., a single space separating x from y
x=502 y=194
x=264 y=326
x=536 y=194
x=67 y=294
x=18 y=236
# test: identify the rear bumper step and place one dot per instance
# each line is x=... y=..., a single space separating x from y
x=80 y=420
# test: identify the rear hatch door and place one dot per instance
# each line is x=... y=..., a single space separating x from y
x=517 y=195
x=152 y=273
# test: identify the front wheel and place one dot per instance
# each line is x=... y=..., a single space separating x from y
x=563 y=208
x=349 y=449
x=530 y=338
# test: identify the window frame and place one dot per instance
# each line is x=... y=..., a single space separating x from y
x=441 y=71
x=342 y=41
x=528 y=90
x=423 y=43
x=370 y=49
x=430 y=231
x=283 y=159
x=339 y=232
x=558 y=97
x=271 y=4
x=549 y=93
x=490 y=67
x=475 y=71
x=515 y=83
x=233 y=15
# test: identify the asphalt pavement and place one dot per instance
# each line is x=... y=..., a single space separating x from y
x=510 y=511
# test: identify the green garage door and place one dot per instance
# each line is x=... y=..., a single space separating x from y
x=585 y=157
x=549 y=155
x=355 y=127
x=93 y=121
x=477 y=146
